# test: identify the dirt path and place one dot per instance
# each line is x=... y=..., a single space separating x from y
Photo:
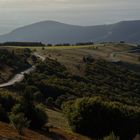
x=113 y=55
x=20 y=76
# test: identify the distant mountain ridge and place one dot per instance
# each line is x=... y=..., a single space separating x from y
x=56 y=32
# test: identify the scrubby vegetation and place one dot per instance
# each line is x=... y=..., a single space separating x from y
x=101 y=78
x=35 y=113
x=14 y=58
x=98 y=117
x=110 y=96
x=6 y=103
x=22 y=44
x=19 y=122
x=12 y=61
x=21 y=111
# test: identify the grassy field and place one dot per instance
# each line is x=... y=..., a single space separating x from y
x=72 y=56
x=56 y=119
x=54 y=47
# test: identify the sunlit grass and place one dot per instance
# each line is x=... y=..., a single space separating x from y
x=57 y=119
x=52 y=47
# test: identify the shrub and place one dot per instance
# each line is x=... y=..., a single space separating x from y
x=7 y=101
x=19 y=122
x=96 y=117
x=49 y=101
x=40 y=117
x=35 y=114
x=3 y=114
x=15 y=58
x=38 y=97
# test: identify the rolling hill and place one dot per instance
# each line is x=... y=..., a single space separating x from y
x=56 y=32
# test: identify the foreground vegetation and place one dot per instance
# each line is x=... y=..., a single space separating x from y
x=101 y=78
x=103 y=99
x=21 y=111
x=97 y=117
x=117 y=89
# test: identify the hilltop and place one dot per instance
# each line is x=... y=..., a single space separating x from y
x=56 y=32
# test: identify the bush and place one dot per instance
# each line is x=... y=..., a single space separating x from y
x=40 y=117
x=35 y=114
x=3 y=114
x=96 y=117
x=19 y=122
x=22 y=44
x=7 y=101
x=38 y=97
x=17 y=59
x=49 y=101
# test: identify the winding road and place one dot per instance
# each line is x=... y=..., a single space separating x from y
x=20 y=76
x=113 y=55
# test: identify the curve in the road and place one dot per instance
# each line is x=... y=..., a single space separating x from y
x=113 y=58
x=20 y=76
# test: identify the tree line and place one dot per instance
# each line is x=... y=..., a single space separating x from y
x=31 y=44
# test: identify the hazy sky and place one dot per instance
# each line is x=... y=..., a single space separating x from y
x=15 y=13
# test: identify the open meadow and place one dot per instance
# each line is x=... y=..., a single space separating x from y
x=72 y=56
